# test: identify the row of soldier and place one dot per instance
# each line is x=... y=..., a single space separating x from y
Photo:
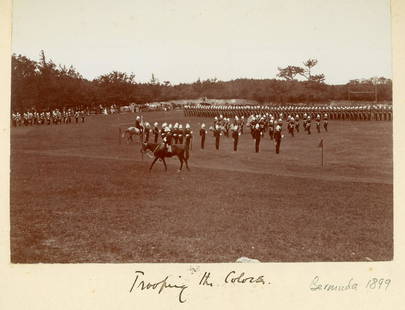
x=258 y=124
x=56 y=116
x=365 y=112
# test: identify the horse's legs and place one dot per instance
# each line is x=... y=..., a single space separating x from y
x=164 y=162
x=181 y=163
x=153 y=162
x=186 y=161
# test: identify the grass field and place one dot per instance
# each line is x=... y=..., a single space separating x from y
x=77 y=195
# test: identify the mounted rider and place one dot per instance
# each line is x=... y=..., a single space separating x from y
x=139 y=124
x=167 y=138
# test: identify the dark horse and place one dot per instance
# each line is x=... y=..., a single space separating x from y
x=177 y=150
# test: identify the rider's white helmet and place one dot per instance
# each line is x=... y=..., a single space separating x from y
x=188 y=126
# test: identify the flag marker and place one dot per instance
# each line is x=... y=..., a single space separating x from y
x=321 y=146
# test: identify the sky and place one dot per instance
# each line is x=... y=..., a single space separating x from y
x=184 y=40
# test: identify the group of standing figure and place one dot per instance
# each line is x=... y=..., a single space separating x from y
x=258 y=124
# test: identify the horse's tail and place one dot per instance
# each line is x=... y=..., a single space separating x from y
x=123 y=134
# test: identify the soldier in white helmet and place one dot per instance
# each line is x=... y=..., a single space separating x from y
x=180 y=133
x=271 y=128
x=277 y=138
x=203 y=133
x=188 y=135
x=325 y=122
x=217 y=135
x=147 y=132
x=297 y=123
x=155 y=131
x=235 y=136
x=308 y=125
x=176 y=133
x=257 y=136
x=291 y=126
x=318 y=123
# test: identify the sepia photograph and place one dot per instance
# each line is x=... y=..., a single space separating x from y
x=201 y=131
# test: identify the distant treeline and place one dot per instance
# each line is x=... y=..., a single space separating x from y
x=44 y=85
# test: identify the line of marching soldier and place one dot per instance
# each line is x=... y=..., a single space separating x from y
x=367 y=112
x=259 y=124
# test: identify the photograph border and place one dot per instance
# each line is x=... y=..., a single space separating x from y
x=107 y=286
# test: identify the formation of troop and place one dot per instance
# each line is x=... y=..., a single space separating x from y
x=257 y=125
x=366 y=112
x=56 y=116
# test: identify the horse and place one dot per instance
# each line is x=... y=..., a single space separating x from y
x=178 y=150
x=129 y=132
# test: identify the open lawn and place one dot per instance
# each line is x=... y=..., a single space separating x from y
x=77 y=195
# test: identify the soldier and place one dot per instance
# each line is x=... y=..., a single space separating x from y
x=83 y=115
x=242 y=124
x=176 y=133
x=180 y=134
x=308 y=125
x=277 y=138
x=325 y=122
x=297 y=123
x=168 y=138
x=235 y=136
x=162 y=131
x=291 y=125
x=155 y=132
x=217 y=135
x=257 y=135
x=69 y=116
x=48 y=118
x=227 y=126
x=138 y=124
x=147 y=132
x=77 y=116
x=262 y=126
x=203 y=133
x=271 y=128
x=215 y=121
x=252 y=126
x=318 y=123
x=188 y=134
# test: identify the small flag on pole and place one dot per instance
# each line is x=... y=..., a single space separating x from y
x=321 y=145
